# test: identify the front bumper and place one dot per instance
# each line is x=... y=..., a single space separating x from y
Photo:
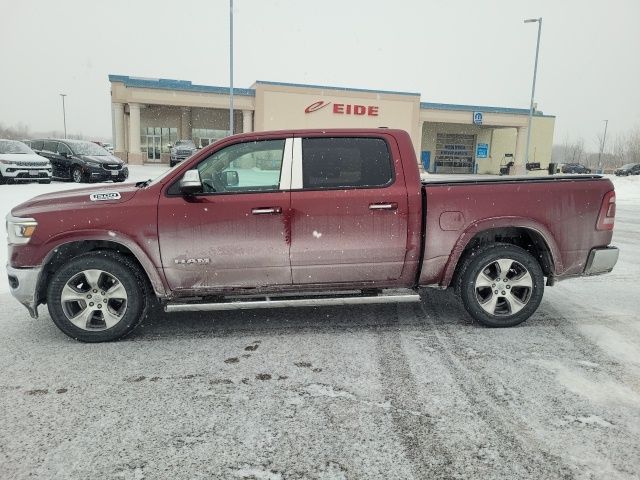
x=102 y=175
x=23 y=283
x=25 y=174
x=601 y=260
x=180 y=157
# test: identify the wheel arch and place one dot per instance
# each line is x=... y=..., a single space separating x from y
x=529 y=235
x=67 y=250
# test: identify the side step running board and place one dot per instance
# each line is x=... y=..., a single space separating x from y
x=292 y=302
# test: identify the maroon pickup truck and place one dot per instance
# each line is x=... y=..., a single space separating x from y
x=313 y=217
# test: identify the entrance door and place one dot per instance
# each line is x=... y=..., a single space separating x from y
x=153 y=148
x=232 y=235
x=455 y=153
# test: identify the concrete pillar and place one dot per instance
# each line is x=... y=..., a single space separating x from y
x=521 y=145
x=185 y=123
x=247 y=121
x=418 y=145
x=135 y=155
x=117 y=111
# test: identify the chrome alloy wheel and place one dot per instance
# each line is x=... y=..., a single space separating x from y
x=503 y=287
x=94 y=300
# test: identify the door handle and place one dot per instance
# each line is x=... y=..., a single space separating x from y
x=266 y=210
x=383 y=206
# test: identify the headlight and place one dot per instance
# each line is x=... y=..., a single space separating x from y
x=7 y=162
x=20 y=230
x=93 y=164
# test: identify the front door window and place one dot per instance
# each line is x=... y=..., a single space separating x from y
x=243 y=167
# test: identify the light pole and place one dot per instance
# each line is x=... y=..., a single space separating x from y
x=64 y=115
x=604 y=139
x=231 y=67
x=533 y=86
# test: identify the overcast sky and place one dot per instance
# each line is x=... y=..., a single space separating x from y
x=467 y=51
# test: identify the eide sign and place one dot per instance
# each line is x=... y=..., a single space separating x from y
x=344 y=108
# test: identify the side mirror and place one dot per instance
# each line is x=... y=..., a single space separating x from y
x=190 y=184
x=229 y=178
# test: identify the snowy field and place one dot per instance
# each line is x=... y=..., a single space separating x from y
x=367 y=392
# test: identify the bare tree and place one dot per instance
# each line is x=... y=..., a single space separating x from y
x=633 y=146
x=574 y=151
x=17 y=132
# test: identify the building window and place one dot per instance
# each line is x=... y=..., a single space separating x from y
x=206 y=136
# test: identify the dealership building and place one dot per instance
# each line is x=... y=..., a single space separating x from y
x=151 y=114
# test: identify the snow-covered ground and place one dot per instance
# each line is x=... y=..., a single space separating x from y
x=367 y=392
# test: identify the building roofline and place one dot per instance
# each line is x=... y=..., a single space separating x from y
x=184 y=85
x=329 y=87
x=480 y=108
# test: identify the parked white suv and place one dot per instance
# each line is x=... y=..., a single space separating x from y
x=18 y=163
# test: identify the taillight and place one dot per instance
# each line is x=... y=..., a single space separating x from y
x=607 y=213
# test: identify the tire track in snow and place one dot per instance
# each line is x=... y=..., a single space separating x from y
x=521 y=451
x=416 y=431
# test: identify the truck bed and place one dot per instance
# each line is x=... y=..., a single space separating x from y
x=471 y=179
x=557 y=212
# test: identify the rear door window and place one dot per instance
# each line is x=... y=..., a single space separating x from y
x=62 y=149
x=345 y=162
x=50 y=146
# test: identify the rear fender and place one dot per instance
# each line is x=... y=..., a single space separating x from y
x=500 y=222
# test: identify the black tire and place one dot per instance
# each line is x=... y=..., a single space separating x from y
x=95 y=329
x=2 y=180
x=513 y=303
x=76 y=175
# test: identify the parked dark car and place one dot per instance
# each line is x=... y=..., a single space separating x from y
x=628 y=169
x=80 y=161
x=574 y=168
x=182 y=150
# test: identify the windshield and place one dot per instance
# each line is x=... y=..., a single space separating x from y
x=184 y=143
x=13 y=146
x=88 y=148
x=628 y=166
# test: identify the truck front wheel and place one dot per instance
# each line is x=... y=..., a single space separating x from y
x=501 y=285
x=97 y=297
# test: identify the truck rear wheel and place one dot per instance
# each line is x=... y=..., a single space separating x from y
x=97 y=297
x=501 y=285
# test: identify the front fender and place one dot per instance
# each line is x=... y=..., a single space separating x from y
x=117 y=238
